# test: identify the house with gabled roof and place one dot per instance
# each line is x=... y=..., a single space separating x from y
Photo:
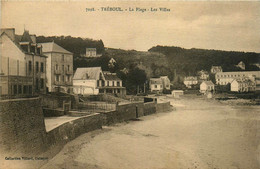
x=189 y=81
x=111 y=84
x=59 y=65
x=207 y=86
x=92 y=81
x=23 y=66
x=243 y=85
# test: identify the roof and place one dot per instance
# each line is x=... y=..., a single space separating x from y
x=208 y=83
x=53 y=47
x=26 y=37
x=243 y=80
x=111 y=76
x=91 y=72
x=155 y=80
x=190 y=78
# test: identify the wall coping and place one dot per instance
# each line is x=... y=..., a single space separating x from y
x=76 y=118
x=19 y=99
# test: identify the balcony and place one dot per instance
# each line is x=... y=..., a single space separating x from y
x=57 y=71
x=59 y=83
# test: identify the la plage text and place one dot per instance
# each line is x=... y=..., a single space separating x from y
x=129 y=9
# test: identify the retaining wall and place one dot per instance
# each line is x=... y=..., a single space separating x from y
x=22 y=127
x=162 y=107
x=149 y=108
x=70 y=130
x=123 y=113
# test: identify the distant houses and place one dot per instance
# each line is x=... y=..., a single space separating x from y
x=156 y=85
x=207 y=86
x=224 y=78
x=91 y=53
x=93 y=81
x=243 y=85
x=159 y=84
x=203 y=75
x=215 y=69
x=189 y=81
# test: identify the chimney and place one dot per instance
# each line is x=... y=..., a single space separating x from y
x=10 y=32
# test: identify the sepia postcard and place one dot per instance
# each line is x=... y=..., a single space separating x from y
x=129 y=84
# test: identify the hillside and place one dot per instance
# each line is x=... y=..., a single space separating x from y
x=175 y=62
x=76 y=45
x=189 y=61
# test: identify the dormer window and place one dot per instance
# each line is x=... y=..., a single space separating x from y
x=39 y=50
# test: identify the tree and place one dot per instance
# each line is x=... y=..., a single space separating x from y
x=136 y=77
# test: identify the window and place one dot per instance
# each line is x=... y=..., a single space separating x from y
x=68 y=67
x=30 y=89
x=30 y=66
x=56 y=67
x=155 y=86
x=62 y=78
x=113 y=83
x=42 y=65
x=15 y=89
x=42 y=83
x=63 y=68
x=57 y=78
x=97 y=83
x=19 y=89
x=68 y=78
x=25 y=89
x=62 y=56
x=107 y=83
x=37 y=66
x=118 y=83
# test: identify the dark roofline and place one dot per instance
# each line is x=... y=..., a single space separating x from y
x=21 y=48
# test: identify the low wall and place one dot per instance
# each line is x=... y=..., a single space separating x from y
x=22 y=127
x=70 y=130
x=149 y=108
x=163 y=107
x=123 y=112
x=96 y=106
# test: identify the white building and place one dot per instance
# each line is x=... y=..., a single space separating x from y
x=166 y=82
x=207 y=86
x=160 y=83
x=156 y=85
x=177 y=93
x=85 y=80
x=92 y=81
x=190 y=80
x=243 y=85
x=91 y=52
x=59 y=66
x=216 y=69
x=224 y=78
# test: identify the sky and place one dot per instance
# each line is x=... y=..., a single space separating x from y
x=232 y=26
